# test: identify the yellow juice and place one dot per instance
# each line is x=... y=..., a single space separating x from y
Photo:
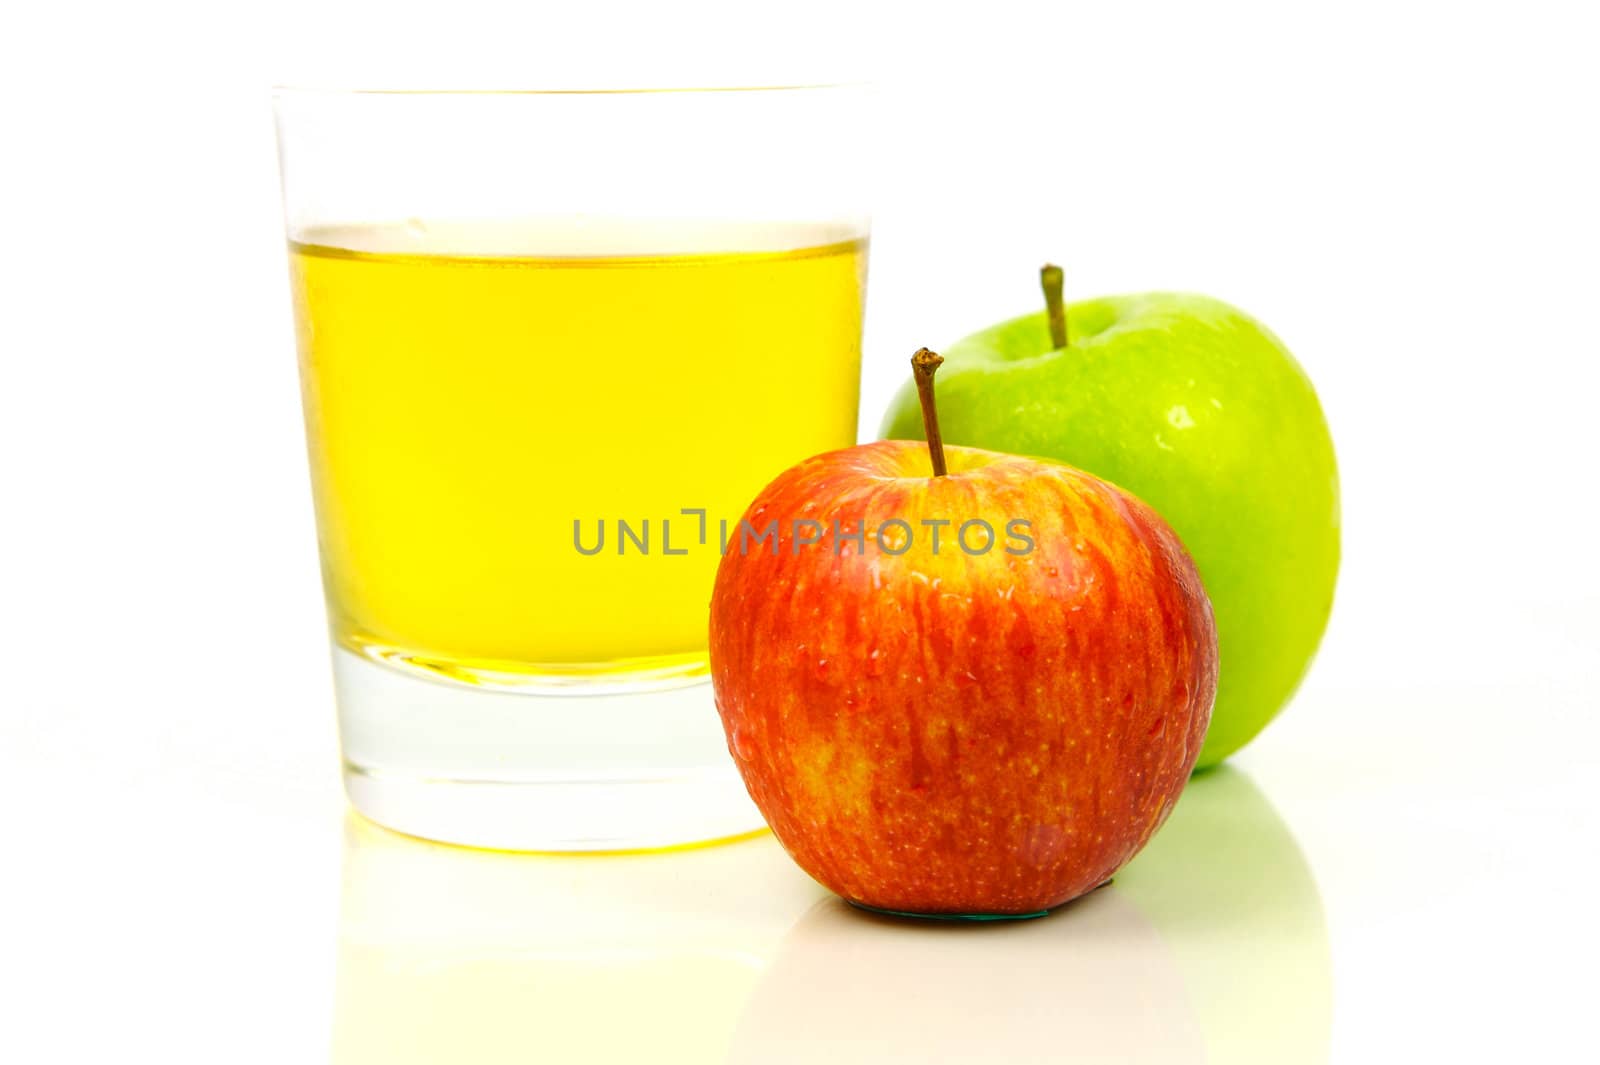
x=482 y=400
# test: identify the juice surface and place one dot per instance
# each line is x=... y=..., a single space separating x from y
x=472 y=391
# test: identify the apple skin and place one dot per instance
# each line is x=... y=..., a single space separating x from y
x=1201 y=412
x=945 y=733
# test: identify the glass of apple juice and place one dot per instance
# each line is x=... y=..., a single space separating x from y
x=551 y=344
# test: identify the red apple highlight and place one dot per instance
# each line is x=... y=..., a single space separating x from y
x=937 y=720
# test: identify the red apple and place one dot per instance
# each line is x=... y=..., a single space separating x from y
x=933 y=728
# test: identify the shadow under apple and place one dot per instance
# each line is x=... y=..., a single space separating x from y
x=1208 y=947
x=1091 y=983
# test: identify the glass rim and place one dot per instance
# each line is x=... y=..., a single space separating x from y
x=281 y=90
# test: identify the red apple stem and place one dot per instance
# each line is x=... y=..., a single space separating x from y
x=924 y=364
x=1053 y=281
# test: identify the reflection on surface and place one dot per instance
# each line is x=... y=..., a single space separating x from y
x=1209 y=947
x=454 y=955
x=1093 y=983
x=1226 y=885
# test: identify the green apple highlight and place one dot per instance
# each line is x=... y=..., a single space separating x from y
x=1197 y=409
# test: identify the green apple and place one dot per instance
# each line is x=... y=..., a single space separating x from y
x=1196 y=408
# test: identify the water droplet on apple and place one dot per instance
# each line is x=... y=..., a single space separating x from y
x=821 y=669
x=743 y=748
x=1051 y=571
x=874 y=663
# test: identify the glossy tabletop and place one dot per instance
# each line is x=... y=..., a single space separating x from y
x=1394 y=872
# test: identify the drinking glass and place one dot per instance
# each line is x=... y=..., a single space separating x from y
x=551 y=344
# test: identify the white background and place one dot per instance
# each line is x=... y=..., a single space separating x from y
x=1405 y=192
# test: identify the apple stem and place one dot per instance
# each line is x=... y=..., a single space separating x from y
x=924 y=364
x=1052 y=279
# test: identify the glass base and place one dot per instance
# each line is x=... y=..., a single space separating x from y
x=616 y=676
x=511 y=770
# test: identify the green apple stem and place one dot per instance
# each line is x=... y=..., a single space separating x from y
x=1052 y=279
x=923 y=365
